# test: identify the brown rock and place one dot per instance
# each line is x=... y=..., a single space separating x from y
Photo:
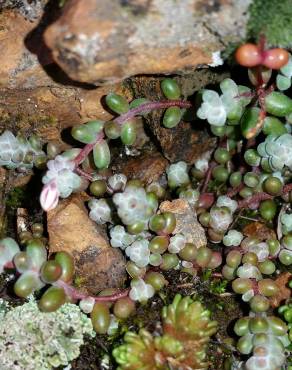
x=284 y=291
x=101 y=42
x=186 y=221
x=259 y=230
x=184 y=142
x=35 y=94
x=47 y=111
x=20 y=68
x=98 y=265
x=147 y=167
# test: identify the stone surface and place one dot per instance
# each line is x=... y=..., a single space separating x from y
x=35 y=94
x=186 y=221
x=184 y=142
x=98 y=265
x=47 y=111
x=284 y=291
x=147 y=167
x=259 y=230
x=100 y=42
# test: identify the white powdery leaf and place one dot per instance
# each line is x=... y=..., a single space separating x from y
x=117 y=182
x=286 y=219
x=61 y=170
x=177 y=174
x=13 y=152
x=247 y=296
x=120 y=238
x=87 y=304
x=232 y=238
x=176 y=243
x=249 y=271
x=100 y=211
x=212 y=108
x=113 y=326
x=132 y=205
x=220 y=218
x=225 y=201
x=261 y=250
x=139 y=252
x=190 y=195
x=140 y=291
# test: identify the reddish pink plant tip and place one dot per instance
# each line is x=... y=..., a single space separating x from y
x=49 y=196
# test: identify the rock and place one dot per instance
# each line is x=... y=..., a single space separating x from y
x=185 y=142
x=259 y=230
x=21 y=68
x=147 y=167
x=98 y=43
x=186 y=221
x=47 y=111
x=35 y=94
x=98 y=265
x=284 y=291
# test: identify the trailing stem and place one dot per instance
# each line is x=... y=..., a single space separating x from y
x=147 y=107
x=256 y=198
x=75 y=294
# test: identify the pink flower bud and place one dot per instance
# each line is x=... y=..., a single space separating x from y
x=49 y=196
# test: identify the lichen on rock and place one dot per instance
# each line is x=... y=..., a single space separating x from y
x=31 y=339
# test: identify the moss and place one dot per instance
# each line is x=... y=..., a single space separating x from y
x=16 y=197
x=273 y=19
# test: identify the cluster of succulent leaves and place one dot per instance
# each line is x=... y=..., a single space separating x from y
x=286 y=312
x=187 y=328
x=126 y=131
x=148 y=236
x=36 y=271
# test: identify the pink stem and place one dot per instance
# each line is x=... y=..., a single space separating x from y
x=233 y=191
x=122 y=119
x=87 y=149
x=208 y=176
x=75 y=294
x=262 y=196
x=151 y=106
x=85 y=174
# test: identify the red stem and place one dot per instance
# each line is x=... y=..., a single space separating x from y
x=122 y=119
x=262 y=196
x=151 y=106
x=233 y=191
x=85 y=174
x=208 y=176
x=75 y=294
x=87 y=149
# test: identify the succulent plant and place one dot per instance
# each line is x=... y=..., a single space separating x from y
x=187 y=328
x=265 y=339
x=18 y=152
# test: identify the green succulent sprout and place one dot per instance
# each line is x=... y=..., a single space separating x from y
x=187 y=328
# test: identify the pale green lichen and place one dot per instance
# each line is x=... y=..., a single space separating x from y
x=35 y=340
